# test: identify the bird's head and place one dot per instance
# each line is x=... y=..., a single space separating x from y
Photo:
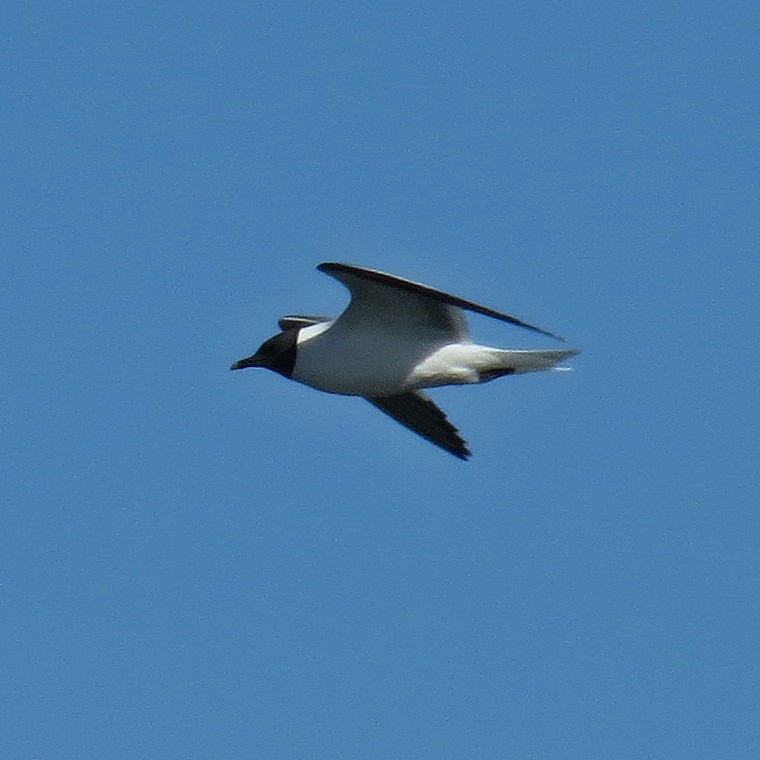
x=278 y=354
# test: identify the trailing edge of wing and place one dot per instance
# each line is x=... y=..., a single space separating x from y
x=338 y=270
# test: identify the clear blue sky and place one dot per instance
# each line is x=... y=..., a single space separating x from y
x=201 y=564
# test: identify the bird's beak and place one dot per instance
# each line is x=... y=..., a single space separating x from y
x=251 y=361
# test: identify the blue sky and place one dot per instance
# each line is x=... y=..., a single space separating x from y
x=203 y=564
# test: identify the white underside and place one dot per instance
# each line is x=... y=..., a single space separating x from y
x=376 y=363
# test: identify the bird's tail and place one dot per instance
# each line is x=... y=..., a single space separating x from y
x=516 y=362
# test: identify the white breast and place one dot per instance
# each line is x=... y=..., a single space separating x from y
x=357 y=362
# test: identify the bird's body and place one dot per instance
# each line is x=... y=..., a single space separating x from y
x=374 y=363
x=395 y=339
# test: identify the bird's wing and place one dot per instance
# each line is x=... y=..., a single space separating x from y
x=395 y=302
x=415 y=410
x=295 y=321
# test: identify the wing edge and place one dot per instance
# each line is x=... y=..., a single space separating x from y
x=336 y=269
x=449 y=439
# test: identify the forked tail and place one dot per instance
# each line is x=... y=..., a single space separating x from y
x=517 y=362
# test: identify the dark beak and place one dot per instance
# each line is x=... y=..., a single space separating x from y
x=251 y=361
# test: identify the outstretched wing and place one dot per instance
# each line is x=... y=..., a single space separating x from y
x=395 y=302
x=415 y=410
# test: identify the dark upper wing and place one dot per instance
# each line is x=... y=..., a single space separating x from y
x=293 y=321
x=414 y=410
x=372 y=293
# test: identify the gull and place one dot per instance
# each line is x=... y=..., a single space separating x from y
x=396 y=338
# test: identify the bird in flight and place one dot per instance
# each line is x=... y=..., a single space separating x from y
x=396 y=338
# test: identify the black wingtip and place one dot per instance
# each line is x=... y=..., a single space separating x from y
x=550 y=334
x=458 y=446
